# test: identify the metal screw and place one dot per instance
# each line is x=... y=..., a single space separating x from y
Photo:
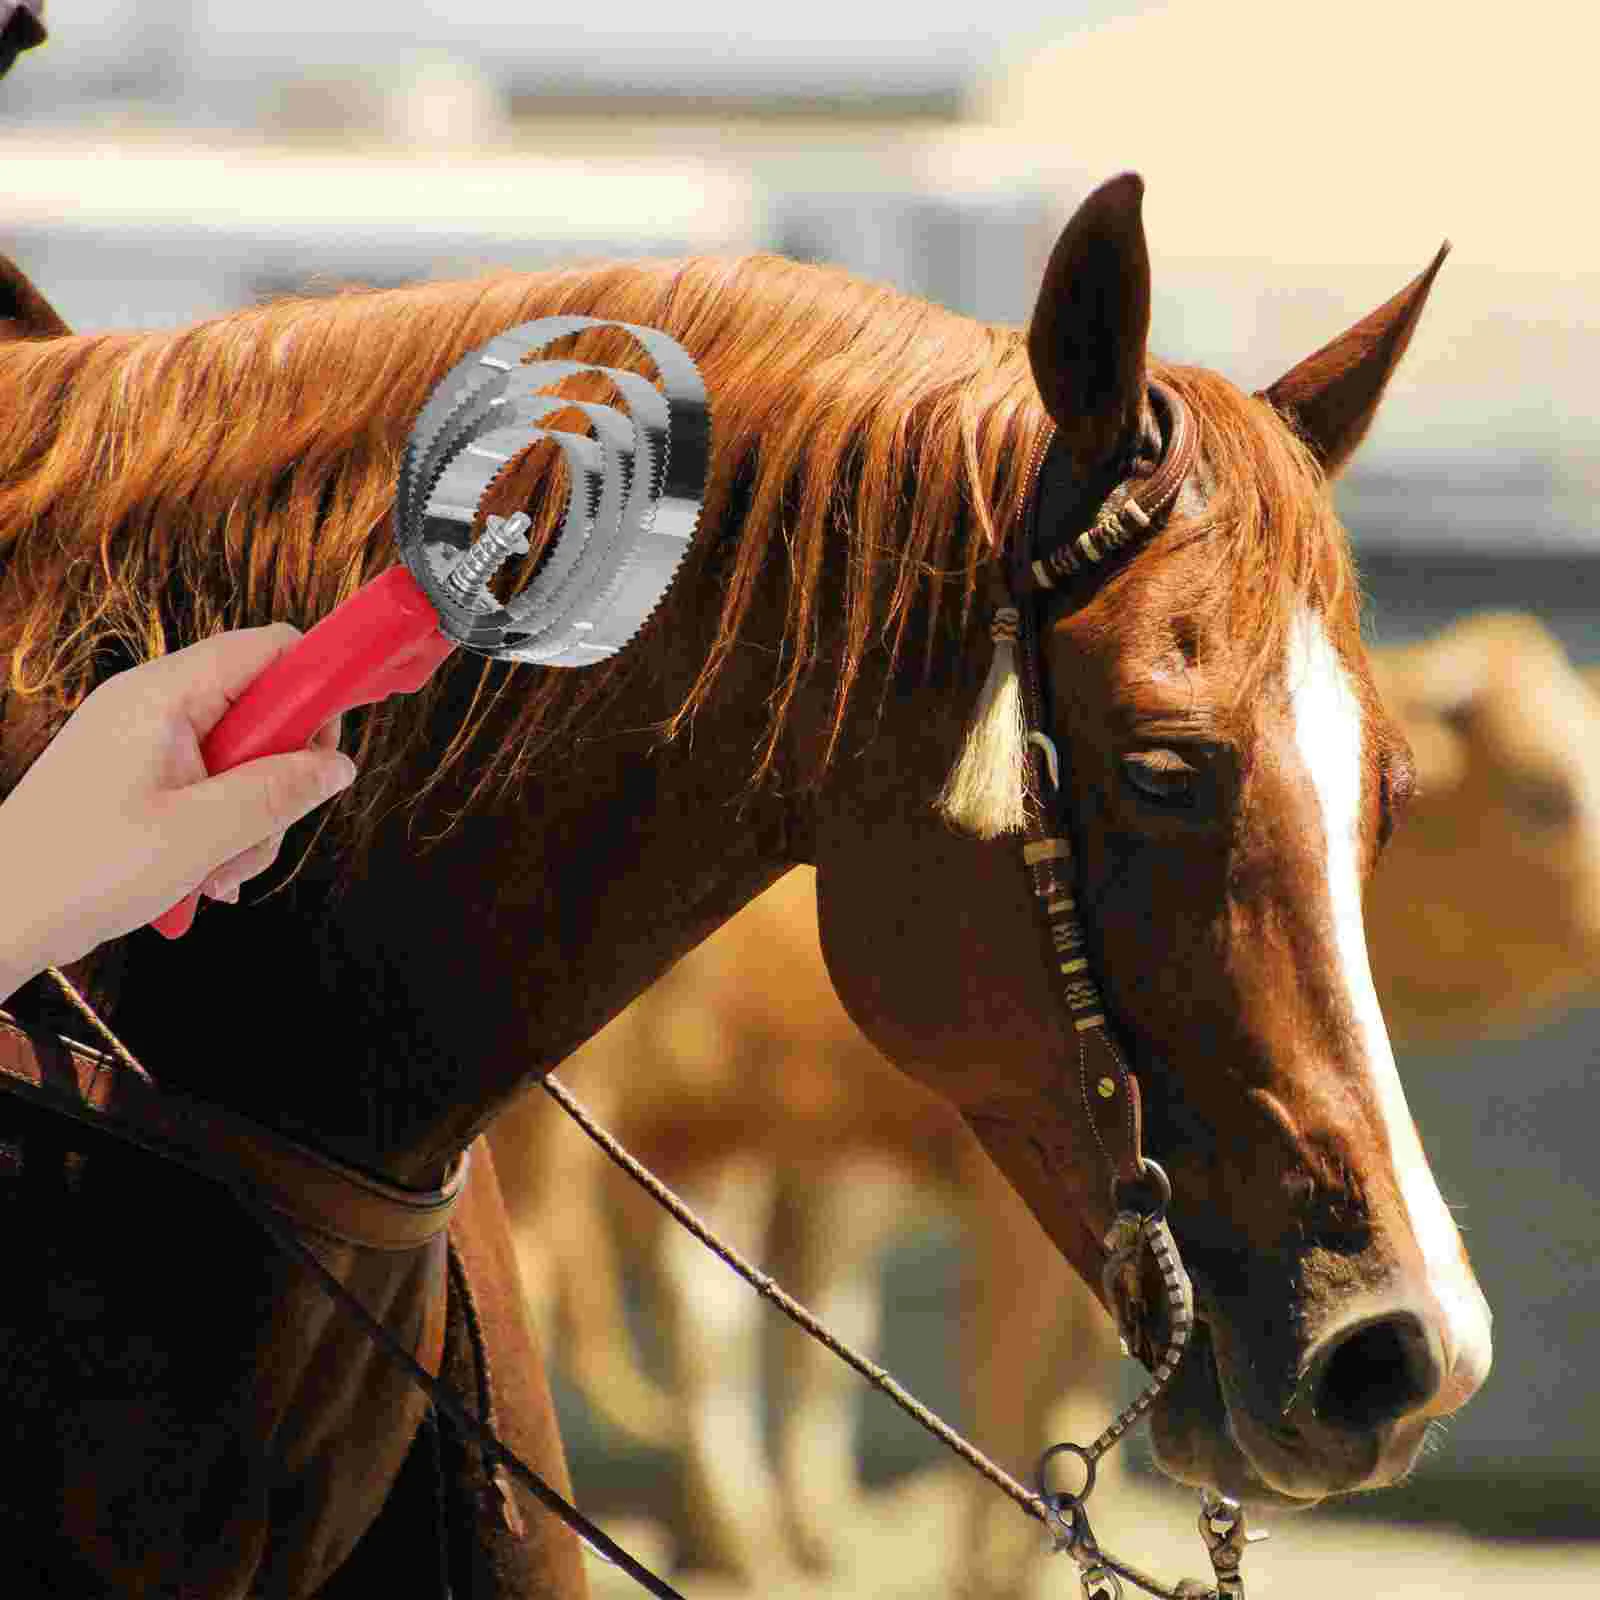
x=1107 y=1088
x=502 y=537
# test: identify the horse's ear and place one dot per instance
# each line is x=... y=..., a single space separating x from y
x=24 y=312
x=1086 y=342
x=1331 y=396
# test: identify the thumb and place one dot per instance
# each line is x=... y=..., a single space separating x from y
x=236 y=809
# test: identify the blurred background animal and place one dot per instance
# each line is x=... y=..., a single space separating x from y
x=739 y=1079
x=1485 y=917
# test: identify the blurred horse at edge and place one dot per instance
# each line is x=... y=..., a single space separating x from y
x=739 y=1078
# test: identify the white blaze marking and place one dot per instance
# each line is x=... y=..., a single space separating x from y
x=1328 y=734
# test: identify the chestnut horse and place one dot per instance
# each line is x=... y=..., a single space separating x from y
x=528 y=851
x=738 y=1079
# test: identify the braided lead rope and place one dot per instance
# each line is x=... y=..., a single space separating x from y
x=767 y=1287
x=90 y=1015
x=1054 y=1511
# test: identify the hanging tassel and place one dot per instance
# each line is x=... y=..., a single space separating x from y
x=985 y=792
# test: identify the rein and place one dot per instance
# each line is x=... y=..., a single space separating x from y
x=291 y=1190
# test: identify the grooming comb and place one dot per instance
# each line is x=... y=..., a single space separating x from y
x=636 y=486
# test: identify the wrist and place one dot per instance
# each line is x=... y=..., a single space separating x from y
x=11 y=980
x=26 y=944
x=20 y=957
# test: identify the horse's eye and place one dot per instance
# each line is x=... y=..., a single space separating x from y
x=1162 y=778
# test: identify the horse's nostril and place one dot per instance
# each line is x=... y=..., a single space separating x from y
x=1377 y=1374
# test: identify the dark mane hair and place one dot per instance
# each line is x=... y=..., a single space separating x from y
x=158 y=487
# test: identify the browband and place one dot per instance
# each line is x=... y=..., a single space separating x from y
x=1130 y=511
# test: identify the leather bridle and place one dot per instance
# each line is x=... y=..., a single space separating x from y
x=1046 y=572
x=1043 y=566
x=296 y=1193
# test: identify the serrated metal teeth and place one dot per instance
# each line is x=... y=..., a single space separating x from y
x=635 y=491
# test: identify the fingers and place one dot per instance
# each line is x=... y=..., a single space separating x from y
x=225 y=882
x=235 y=655
x=211 y=674
x=229 y=813
x=293 y=790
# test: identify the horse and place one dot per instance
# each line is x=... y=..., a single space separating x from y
x=528 y=851
x=739 y=1079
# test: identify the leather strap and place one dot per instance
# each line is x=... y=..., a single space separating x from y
x=317 y=1193
x=1132 y=510
x=1038 y=564
x=62 y=1077
x=1108 y=1090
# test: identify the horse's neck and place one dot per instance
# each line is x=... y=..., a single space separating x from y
x=390 y=1023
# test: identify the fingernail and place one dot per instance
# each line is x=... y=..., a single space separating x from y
x=230 y=895
x=344 y=773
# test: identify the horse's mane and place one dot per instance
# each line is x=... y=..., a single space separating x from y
x=158 y=487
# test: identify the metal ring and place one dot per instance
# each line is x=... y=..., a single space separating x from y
x=1155 y=1173
x=1055 y=1498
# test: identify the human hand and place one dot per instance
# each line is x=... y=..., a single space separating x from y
x=117 y=819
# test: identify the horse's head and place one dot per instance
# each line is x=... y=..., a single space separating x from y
x=1229 y=776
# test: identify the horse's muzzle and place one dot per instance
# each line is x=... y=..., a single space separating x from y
x=1354 y=1418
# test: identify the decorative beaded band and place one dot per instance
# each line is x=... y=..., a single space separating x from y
x=1132 y=509
x=1050 y=861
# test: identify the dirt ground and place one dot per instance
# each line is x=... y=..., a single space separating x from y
x=904 y=1550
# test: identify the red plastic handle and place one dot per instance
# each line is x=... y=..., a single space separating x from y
x=383 y=640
